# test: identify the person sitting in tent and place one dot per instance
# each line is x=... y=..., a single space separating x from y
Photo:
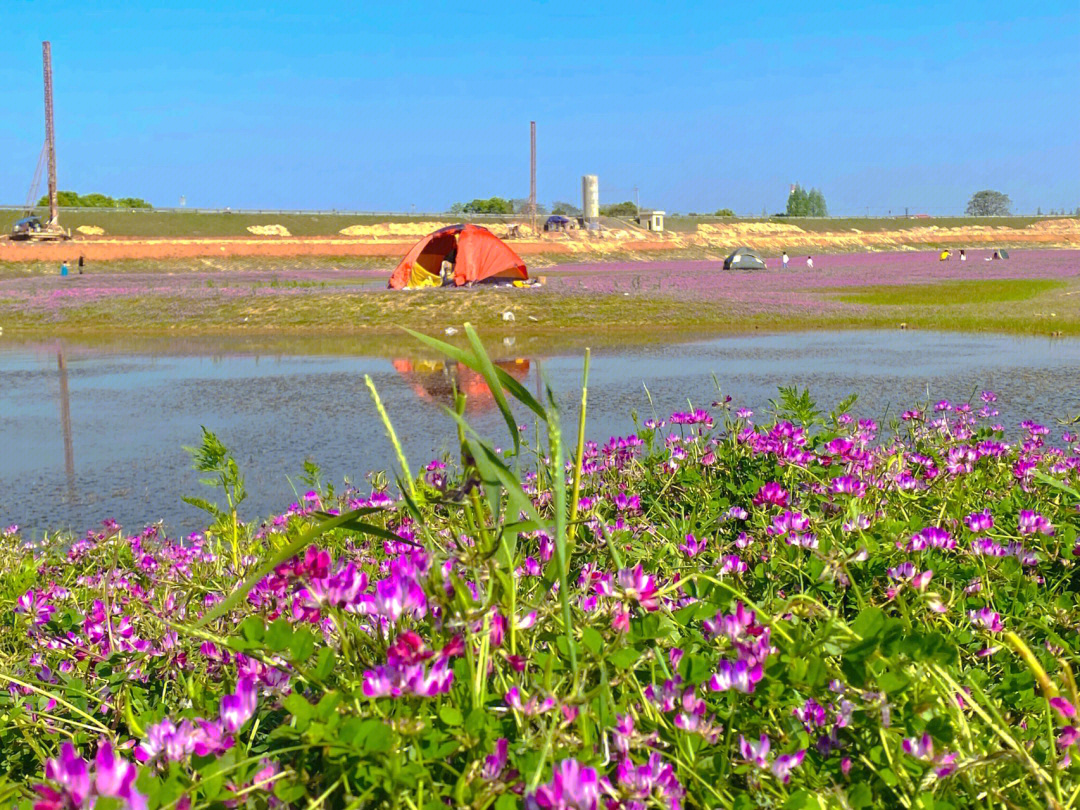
x=945 y=255
x=446 y=269
x=459 y=255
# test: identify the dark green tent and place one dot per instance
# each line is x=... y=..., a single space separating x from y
x=744 y=259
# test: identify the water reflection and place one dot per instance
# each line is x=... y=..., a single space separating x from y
x=135 y=410
x=436 y=381
x=65 y=423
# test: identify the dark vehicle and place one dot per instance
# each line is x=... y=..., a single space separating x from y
x=26 y=227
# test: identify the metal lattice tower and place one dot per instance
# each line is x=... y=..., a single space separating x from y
x=50 y=140
x=532 y=175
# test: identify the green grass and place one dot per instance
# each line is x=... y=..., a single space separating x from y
x=181 y=224
x=947 y=293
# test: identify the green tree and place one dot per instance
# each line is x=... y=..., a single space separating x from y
x=492 y=205
x=724 y=212
x=565 y=209
x=623 y=209
x=797 y=202
x=815 y=202
x=989 y=204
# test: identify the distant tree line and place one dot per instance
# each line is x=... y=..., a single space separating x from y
x=501 y=205
x=623 y=209
x=802 y=203
x=72 y=199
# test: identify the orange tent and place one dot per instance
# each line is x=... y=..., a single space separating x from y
x=481 y=256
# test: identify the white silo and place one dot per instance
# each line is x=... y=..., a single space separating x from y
x=590 y=200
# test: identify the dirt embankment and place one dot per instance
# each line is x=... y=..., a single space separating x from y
x=394 y=239
x=773 y=237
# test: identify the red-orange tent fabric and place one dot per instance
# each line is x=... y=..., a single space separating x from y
x=481 y=256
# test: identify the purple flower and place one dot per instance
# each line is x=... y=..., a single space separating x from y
x=923 y=748
x=637 y=586
x=237 y=708
x=692 y=547
x=530 y=707
x=783 y=764
x=771 y=493
x=1032 y=522
x=930 y=537
x=980 y=521
x=115 y=777
x=756 y=753
x=495 y=763
x=112 y=777
x=986 y=619
x=1063 y=707
x=572 y=787
x=740 y=676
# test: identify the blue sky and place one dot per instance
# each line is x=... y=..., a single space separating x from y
x=385 y=106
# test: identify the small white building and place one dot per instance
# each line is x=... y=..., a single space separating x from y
x=651 y=220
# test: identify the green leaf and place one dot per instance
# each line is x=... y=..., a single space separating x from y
x=302 y=645
x=253 y=628
x=450 y=715
x=278 y=635
x=624 y=658
x=296 y=705
x=594 y=642
x=860 y=795
x=802 y=800
x=893 y=682
x=324 y=665
x=869 y=623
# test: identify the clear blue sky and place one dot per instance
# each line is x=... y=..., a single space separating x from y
x=382 y=106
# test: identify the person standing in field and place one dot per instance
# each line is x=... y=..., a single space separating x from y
x=63 y=268
x=810 y=262
x=785 y=259
x=82 y=264
x=963 y=255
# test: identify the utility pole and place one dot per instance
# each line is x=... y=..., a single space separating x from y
x=50 y=141
x=532 y=175
x=637 y=207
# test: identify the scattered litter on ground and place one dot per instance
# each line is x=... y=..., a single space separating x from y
x=451 y=330
x=268 y=230
x=508 y=316
x=534 y=319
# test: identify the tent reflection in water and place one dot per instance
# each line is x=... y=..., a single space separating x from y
x=476 y=253
x=435 y=380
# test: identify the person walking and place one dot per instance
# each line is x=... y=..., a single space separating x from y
x=785 y=259
x=82 y=264
x=810 y=262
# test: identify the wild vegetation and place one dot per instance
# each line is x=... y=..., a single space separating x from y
x=73 y=199
x=719 y=609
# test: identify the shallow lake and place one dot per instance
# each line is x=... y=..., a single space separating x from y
x=88 y=434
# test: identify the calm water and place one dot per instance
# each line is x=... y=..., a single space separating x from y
x=87 y=434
